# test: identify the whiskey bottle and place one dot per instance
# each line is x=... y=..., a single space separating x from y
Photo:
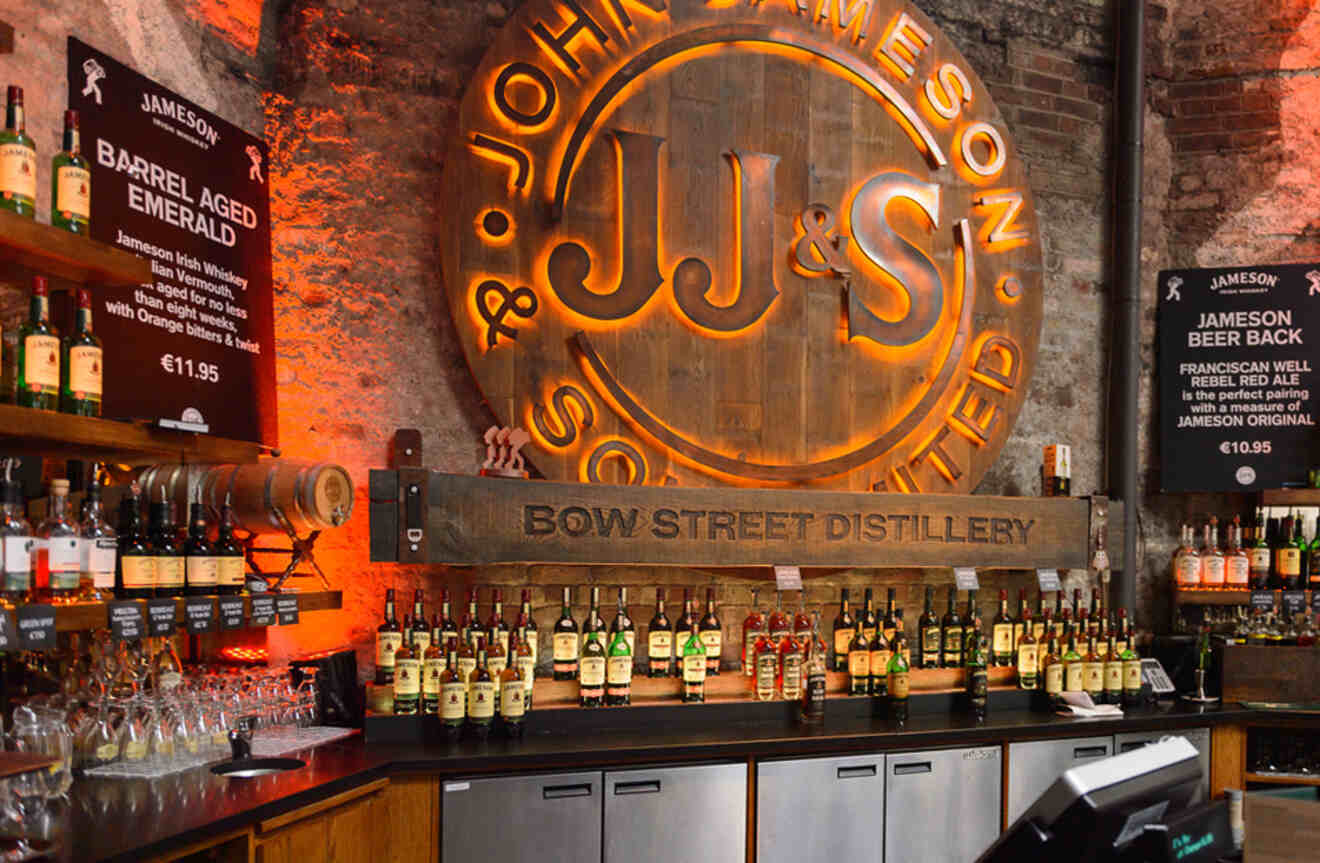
x=694 y=667
x=1113 y=675
x=1259 y=556
x=898 y=683
x=978 y=680
x=765 y=659
x=711 y=635
x=951 y=633
x=201 y=570
x=496 y=629
x=1040 y=621
x=779 y=625
x=790 y=668
x=1186 y=563
x=813 y=670
x=71 y=182
x=1121 y=635
x=1303 y=549
x=469 y=625
x=594 y=622
x=754 y=626
x=618 y=670
x=564 y=640
x=512 y=700
x=1074 y=670
x=1093 y=673
x=802 y=625
x=135 y=577
x=1028 y=656
x=1001 y=633
x=407 y=678
x=1061 y=618
x=659 y=640
x=38 y=352
x=453 y=692
x=591 y=673
x=421 y=630
x=231 y=566
x=1213 y=562
x=870 y=621
x=890 y=622
x=1131 y=676
x=82 y=364
x=18 y=160
x=686 y=621
x=859 y=662
x=497 y=659
x=389 y=637
x=169 y=557
x=530 y=638
x=466 y=658
x=448 y=627
x=880 y=652
x=623 y=623
x=17 y=540
x=58 y=555
x=525 y=659
x=900 y=641
x=481 y=695
x=434 y=663
x=844 y=625
x=1054 y=669
x=1020 y=623
x=97 y=544
x=929 y=630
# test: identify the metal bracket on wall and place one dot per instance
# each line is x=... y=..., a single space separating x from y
x=406 y=457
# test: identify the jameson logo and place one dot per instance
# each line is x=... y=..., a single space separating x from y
x=1248 y=279
x=163 y=106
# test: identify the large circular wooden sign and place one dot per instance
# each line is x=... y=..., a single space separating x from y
x=731 y=242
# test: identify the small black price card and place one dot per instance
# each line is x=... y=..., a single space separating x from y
x=199 y=612
x=1262 y=599
x=1294 y=602
x=231 y=612
x=8 y=634
x=263 y=611
x=287 y=607
x=1315 y=601
x=126 y=620
x=36 y=627
x=160 y=616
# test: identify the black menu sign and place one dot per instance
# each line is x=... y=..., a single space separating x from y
x=263 y=611
x=1237 y=372
x=174 y=183
x=36 y=627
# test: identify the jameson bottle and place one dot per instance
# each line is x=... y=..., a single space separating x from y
x=711 y=635
x=18 y=160
x=81 y=366
x=1001 y=633
x=951 y=633
x=453 y=693
x=38 y=353
x=978 y=682
x=136 y=576
x=71 y=182
x=813 y=672
x=870 y=621
x=928 y=629
x=389 y=636
x=448 y=628
x=618 y=671
x=407 y=678
x=433 y=669
x=98 y=545
x=525 y=658
x=843 y=632
x=201 y=568
x=1259 y=555
x=859 y=662
x=512 y=700
x=880 y=664
x=623 y=623
x=481 y=695
x=659 y=640
x=230 y=566
x=564 y=641
x=17 y=541
x=694 y=668
x=421 y=632
x=898 y=681
x=169 y=557
x=591 y=677
x=530 y=638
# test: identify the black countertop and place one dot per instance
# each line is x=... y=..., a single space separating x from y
x=122 y=820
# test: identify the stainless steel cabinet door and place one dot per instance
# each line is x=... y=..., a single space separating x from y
x=676 y=814
x=812 y=808
x=1033 y=767
x=511 y=820
x=1198 y=737
x=941 y=806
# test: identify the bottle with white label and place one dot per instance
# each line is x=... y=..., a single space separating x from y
x=98 y=545
x=481 y=695
x=591 y=672
x=59 y=557
x=1186 y=563
x=17 y=540
x=38 y=353
x=18 y=160
x=1213 y=563
x=513 y=691
x=82 y=366
x=618 y=671
x=200 y=565
x=453 y=693
x=71 y=182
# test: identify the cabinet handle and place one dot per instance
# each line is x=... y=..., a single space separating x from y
x=1128 y=747
x=856 y=772
x=913 y=767
x=1090 y=751
x=554 y=792
x=649 y=786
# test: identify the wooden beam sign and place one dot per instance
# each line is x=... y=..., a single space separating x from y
x=480 y=520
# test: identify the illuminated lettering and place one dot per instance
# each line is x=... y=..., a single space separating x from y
x=854 y=15
x=998 y=152
x=906 y=483
x=1005 y=230
x=557 y=45
x=633 y=459
x=624 y=20
x=1006 y=351
x=563 y=416
x=954 y=91
x=903 y=44
x=945 y=464
x=976 y=413
x=524 y=72
x=501 y=151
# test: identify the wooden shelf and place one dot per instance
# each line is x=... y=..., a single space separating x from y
x=1223 y=597
x=1290 y=497
x=24 y=431
x=84 y=616
x=1281 y=779
x=70 y=256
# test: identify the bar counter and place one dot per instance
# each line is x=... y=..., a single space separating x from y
x=121 y=820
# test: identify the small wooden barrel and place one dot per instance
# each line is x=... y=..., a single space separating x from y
x=312 y=496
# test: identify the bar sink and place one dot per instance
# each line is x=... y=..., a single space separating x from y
x=246 y=768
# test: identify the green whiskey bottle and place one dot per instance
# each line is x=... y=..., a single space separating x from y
x=82 y=369
x=71 y=182
x=38 y=353
x=18 y=160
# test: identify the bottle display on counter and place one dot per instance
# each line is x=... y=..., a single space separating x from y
x=659 y=640
x=18 y=159
x=39 y=349
x=389 y=638
x=82 y=364
x=564 y=640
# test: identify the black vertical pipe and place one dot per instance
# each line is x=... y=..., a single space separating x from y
x=1125 y=349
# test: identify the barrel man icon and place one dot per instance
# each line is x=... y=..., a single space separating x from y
x=1174 y=295
x=254 y=173
x=94 y=72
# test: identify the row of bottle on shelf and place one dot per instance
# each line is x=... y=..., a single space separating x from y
x=84 y=559
x=70 y=172
x=1271 y=554
x=40 y=369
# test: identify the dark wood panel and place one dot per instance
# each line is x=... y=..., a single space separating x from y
x=1278 y=675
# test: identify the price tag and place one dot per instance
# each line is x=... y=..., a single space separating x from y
x=126 y=620
x=1263 y=599
x=287 y=609
x=199 y=613
x=160 y=616
x=36 y=627
x=231 y=612
x=1294 y=602
x=788 y=577
x=8 y=633
x=965 y=578
x=1048 y=580
x=263 y=611
x=1315 y=601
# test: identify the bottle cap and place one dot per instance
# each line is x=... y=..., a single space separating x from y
x=59 y=487
x=15 y=95
x=84 y=298
x=70 y=119
x=39 y=286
